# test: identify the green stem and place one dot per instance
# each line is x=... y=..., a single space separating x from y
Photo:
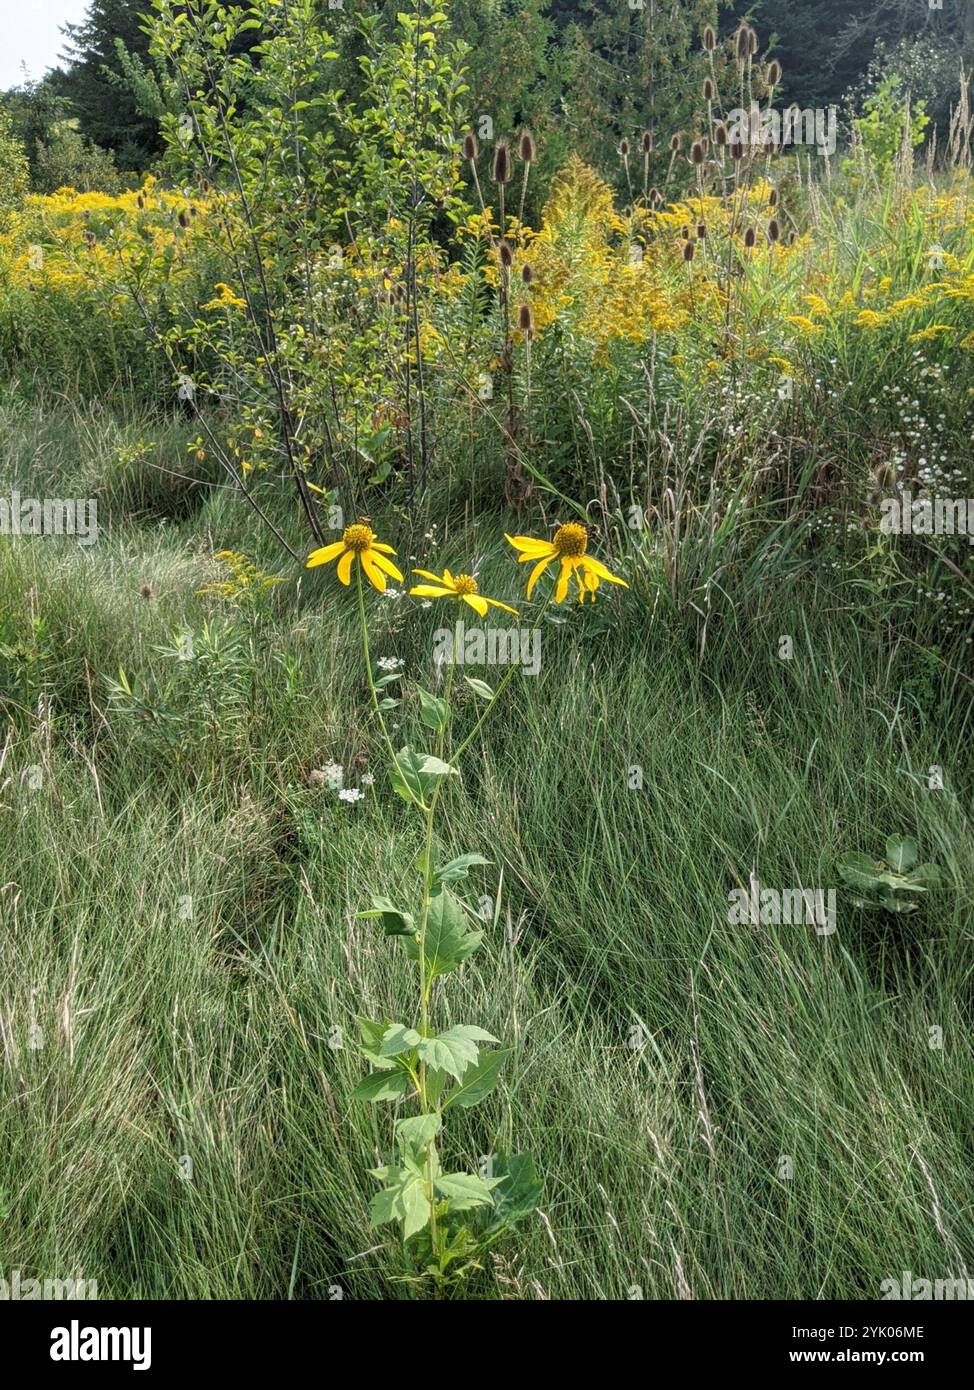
x=363 y=625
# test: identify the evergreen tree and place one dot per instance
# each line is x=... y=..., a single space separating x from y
x=107 y=111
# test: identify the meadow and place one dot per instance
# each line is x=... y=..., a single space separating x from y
x=713 y=1109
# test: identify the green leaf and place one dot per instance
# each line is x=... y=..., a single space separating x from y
x=902 y=853
x=418 y=1130
x=394 y=922
x=398 y=1039
x=478 y=1080
x=458 y=868
x=404 y=775
x=480 y=688
x=403 y=1199
x=448 y=940
x=417 y=773
x=453 y=1051
x=519 y=1190
x=433 y=711
x=436 y=767
x=382 y=1085
x=465 y=1190
x=858 y=870
x=926 y=876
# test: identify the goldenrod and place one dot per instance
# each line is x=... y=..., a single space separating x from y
x=458 y=586
x=358 y=541
x=569 y=544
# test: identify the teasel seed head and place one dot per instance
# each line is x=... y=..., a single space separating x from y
x=709 y=91
x=525 y=320
x=529 y=150
x=773 y=198
x=885 y=475
x=506 y=253
x=140 y=202
x=501 y=172
x=774 y=73
x=752 y=42
x=675 y=142
x=742 y=43
x=647 y=142
x=701 y=231
x=147 y=591
x=709 y=39
x=471 y=149
x=624 y=148
x=655 y=197
x=689 y=251
x=749 y=238
x=774 y=230
x=720 y=135
x=685 y=233
x=696 y=153
x=183 y=219
x=737 y=151
x=527 y=274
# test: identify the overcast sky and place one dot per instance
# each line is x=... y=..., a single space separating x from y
x=31 y=34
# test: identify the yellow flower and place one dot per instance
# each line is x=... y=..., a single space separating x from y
x=806 y=324
x=568 y=544
x=458 y=586
x=358 y=540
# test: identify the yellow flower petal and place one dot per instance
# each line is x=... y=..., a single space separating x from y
x=496 y=603
x=431 y=591
x=537 y=572
x=597 y=568
x=345 y=567
x=376 y=578
x=530 y=545
x=382 y=548
x=478 y=604
x=382 y=563
x=428 y=574
x=567 y=565
x=324 y=554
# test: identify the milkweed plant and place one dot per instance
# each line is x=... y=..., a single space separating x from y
x=448 y=1217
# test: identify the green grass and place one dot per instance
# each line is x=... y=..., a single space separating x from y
x=663 y=1060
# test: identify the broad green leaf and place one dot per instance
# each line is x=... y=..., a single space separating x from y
x=465 y=1190
x=436 y=767
x=926 y=875
x=453 y=1051
x=480 y=688
x=902 y=853
x=448 y=940
x=458 y=868
x=478 y=1080
x=398 y=1039
x=519 y=1190
x=404 y=775
x=403 y=1199
x=859 y=870
x=433 y=711
x=418 y=1130
x=394 y=921
x=382 y=1085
